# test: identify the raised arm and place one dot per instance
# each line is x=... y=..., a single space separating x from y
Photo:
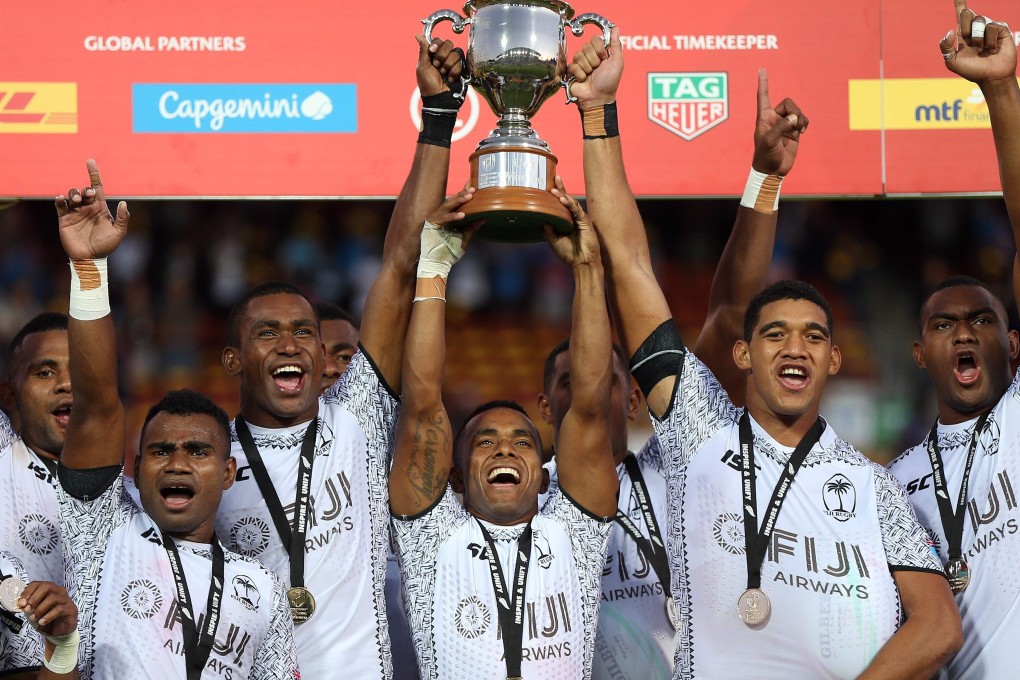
x=637 y=302
x=744 y=266
x=89 y=233
x=983 y=52
x=424 y=451
x=388 y=306
x=584 y=453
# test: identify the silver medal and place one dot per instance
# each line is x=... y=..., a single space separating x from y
x=753 y=607
x=11 y=589
x=958 y=574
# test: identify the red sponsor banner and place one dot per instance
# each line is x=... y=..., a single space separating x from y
x=937 y=134
x=237 y=99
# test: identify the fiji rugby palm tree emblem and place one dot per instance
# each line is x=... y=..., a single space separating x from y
x=841 y=490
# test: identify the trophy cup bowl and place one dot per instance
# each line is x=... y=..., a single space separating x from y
x=516 y=60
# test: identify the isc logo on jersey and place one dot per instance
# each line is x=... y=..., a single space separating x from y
x=38 y=108
x=688 y=104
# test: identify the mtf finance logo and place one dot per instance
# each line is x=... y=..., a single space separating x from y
x=245 y=108
x=917 y=104
x=39 y=108
x=688 y=104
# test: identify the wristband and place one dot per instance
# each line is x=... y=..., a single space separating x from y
x=600 y=122
x=65 y=653
x=761 y=193
x=90 y=290
x=438 y=118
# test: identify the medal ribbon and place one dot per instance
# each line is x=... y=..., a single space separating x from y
x=510 y=604
x=952 y=522
x=756 y=542
x=293 y=539
x=197 y=646
x=652 y=547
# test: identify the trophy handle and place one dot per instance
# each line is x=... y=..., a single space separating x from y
x=577 y=28
x=459 y=24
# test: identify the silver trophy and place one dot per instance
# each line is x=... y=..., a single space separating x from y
x=516 y=59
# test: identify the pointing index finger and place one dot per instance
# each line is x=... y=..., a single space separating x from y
x=960 y=6
x=94 y=180
x=763 y=90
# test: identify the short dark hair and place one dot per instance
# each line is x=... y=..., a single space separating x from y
x=41 y=323
x=560 y=348
x=240 y=308
x=487 y=406
x=327 y=311
x=784 y=290
x=189 y=403
x=956 y=282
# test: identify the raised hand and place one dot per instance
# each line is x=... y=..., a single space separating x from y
x=581 y=245
x=597 y=71
x=979 y=49
x=776 y=132
x=439 y=64
x=88 y=231
x=49 y=608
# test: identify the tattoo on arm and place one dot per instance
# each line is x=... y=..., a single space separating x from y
x=430 y=441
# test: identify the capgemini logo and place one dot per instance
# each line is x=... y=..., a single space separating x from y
x=245 y=108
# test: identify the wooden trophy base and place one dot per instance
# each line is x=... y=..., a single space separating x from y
x=512 y=200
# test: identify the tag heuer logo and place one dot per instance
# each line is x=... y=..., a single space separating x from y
x=688 y=104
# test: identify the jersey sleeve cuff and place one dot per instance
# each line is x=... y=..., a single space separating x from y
x=87 y=484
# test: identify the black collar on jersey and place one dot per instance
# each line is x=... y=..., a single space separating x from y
x=952 y=522
x=293 y=539
x=510 y=603
x=756 y=541
x=652 y=547
x=197 y=646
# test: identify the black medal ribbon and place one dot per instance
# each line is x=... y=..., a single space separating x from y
x=652 y=547
x=197 y=645
x=756 y=541
x=293 y=539
x=952 y=521
x=510 y=598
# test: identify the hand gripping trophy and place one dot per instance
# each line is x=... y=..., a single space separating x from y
x=516 y=59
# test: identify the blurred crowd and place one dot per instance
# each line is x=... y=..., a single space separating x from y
x=185 y=263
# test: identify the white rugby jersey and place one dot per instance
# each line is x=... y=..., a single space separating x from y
x=348 y=526
x=990 y=605
x=28 y=507
x=635 y=638
x=844 y=526
x=129 y=619
x=452 y=606
x=25 y=648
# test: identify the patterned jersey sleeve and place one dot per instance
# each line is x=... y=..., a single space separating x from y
x=21 y=648
x=907 y=546
x=85 y=530
x=367 y=396
x=651 y=455
x=7 y=435
x=417 y=541
x=700 y=407
x=276 y=657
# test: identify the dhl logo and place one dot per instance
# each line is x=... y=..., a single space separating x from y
x=38 y=108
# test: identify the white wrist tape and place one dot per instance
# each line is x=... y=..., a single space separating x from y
x=761 y=193
x=90 y=290
x=65 y=653
x=440 y=250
